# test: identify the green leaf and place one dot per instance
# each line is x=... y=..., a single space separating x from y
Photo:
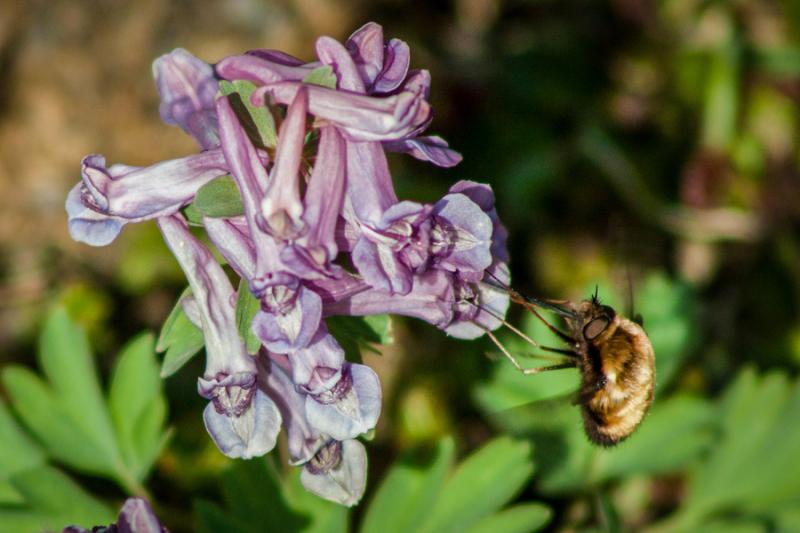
x=519 y=518
x=66 y=360
x=409 y=492
x=746 y=473
x=47 y=418
x=51 y=501
x=138 y=407
x=193 y=216
x=219 y=198
x=356 y=333
x=256 y=496
x=69 y=414
x=322 y=76
x=256 y=120
x=19 y=451
x=247 y=306
x=481 y=485
x=181 y=339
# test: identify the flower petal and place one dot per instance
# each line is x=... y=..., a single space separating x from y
x=87 y=225
x=143 y=193
x=317 y=368
x=432 y=148
x=136 y=516
x=187 y=87
x=284 y=330
x=252 y=434
x=431 y=299
x=260 y=67
x=281 y=207
x=462 y=235
x=348 y=413
x=343 y=483
x=359 y=117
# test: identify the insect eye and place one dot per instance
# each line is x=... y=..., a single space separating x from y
x=595 y=328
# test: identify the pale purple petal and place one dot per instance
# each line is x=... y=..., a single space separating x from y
x=187 y=87
x=431 y=299
x=338 y=474
x=397 y=58
x=143 y=193
x=281 y=207
x=432 y=148
x=136 y=516
x=276 y=56
x=325 y=194
x=387 y=255
x=332 y=290
x=317 y=368
x=350 y=408
x=260 y=68
x=480 y=306
x=359 y=117
x=482 y=194
x=234 y=243
x=331 y=52
x=366 y=47
x=288 y=319
x=370 y=191
x=461 y=237
x=252 y=434
x=87 y=225
x=381 y=268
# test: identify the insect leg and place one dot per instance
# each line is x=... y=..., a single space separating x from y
x=526 y=371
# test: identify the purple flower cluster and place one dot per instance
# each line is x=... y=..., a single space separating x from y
x=321 y=233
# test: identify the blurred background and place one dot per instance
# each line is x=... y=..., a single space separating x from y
x=649 y=148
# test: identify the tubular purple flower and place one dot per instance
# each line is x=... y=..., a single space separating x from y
x=241 y=419
x=431 y=299
x=388 y=255
x=281 y=207
x=143 y=193
x=187 y=87
x=303 y=440
x=338 y=472
x=250 y=175
x=358 y=117
x=312 y=255
x=349 y=408
x=262 y=66
x=234 y=243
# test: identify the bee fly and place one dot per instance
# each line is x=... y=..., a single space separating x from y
x=614 y=357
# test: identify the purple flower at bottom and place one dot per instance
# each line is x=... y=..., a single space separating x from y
x=338 y=472
x=136 y=516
